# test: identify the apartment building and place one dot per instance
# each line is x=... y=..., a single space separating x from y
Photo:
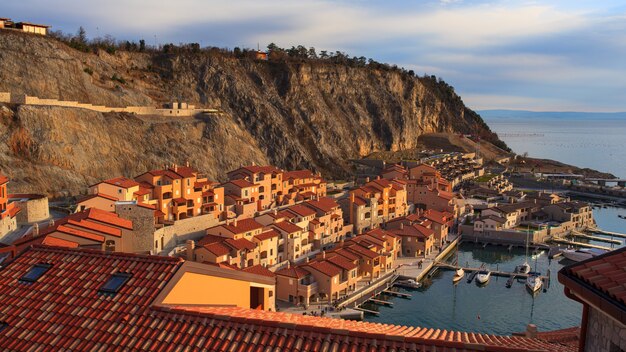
x=376 y=202
x=8 y=211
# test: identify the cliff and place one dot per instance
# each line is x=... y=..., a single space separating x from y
x=292 y=114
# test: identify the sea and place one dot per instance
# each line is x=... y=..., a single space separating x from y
x=593 y=140
x=596 y=141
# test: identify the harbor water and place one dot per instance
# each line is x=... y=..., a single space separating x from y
x=493 y=308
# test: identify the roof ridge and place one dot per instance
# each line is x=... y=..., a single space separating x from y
x=103 y=254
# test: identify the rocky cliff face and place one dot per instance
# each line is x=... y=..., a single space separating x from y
x=306 y=114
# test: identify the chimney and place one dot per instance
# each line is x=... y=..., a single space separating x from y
x=367 y=179
x=51 y=223
x=531 y=330
x=36 y=229
x=401 y=226
x=275 y=211
x=306 y=260
x=323 y=254
x=377 y=178
x=187 y=163
x=288 y=264
x=175 y=167
x=253 y=163
x=235 y=222
x=190 y=247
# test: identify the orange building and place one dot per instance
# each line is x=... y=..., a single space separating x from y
x=376 y=202
x=8 y=211
x=180 y=192
x=269 y=186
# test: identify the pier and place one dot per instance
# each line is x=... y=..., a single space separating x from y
x=578 y=244
x=397 y=294
x=475 y=271
x=594 y=238
x=607 y=233
x=380 y=302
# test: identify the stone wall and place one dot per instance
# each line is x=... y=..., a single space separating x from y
x=34 y=208
x=604 y=334
x=23 y=99
x=187 y=229
x=8 y=224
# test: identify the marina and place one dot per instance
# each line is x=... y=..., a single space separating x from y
x=504 y=304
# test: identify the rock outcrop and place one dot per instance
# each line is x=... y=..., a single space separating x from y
x=293 y=114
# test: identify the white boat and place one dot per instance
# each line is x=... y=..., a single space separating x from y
x=523 y=268
x=533 y=283
x=578 y=255
x=483 y=276
x=458 y=275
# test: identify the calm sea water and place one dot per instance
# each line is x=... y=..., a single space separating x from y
x=595 y=143
x=493 y=308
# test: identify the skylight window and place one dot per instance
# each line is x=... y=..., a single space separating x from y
x=115 y=282
x=3 y=325
x=35 y=273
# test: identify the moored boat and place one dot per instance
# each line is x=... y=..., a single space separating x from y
x=523 y=268
x=483 y=276
x=458 y=275
x=533 y=283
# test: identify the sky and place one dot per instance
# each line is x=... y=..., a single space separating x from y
x=526 y=55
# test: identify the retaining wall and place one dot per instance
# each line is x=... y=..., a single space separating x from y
x=6 y=97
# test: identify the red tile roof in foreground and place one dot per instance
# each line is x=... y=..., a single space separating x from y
x=63 y=311
x=601 y=281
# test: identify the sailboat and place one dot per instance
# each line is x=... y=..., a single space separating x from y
x=534 y=283
x=525 y=267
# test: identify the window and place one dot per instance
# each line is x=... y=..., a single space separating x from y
x=35 y=273
x=4 y=325
x=109 y=245
x=114 y=283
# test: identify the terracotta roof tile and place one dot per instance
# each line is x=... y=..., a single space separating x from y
x=217 y=248
x=301 y=210
x=293 y=271
x=63 y=311
x=240 y=244
x=122 y=182
x=325 y=204
x=287 y=227
x=267 y=235
x=243 y=225
x=325 y=267
x=259 y=270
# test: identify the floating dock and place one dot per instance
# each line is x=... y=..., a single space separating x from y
x=397 y=294
x=380 y=302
